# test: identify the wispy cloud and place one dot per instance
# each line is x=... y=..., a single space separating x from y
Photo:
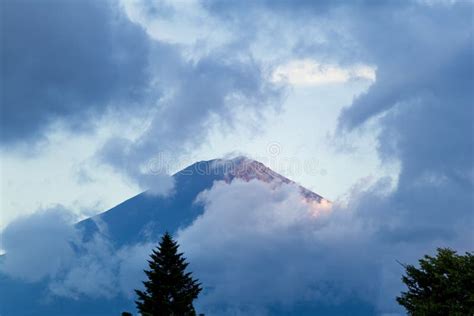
x=307 y=72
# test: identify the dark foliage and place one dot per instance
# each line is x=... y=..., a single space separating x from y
x=169 y=290
x=443 y=285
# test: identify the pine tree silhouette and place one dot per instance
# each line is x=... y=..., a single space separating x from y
x=169 y=290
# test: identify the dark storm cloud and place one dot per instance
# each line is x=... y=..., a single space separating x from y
x=68 y=61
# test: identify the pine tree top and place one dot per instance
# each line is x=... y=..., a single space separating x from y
x=169 y=289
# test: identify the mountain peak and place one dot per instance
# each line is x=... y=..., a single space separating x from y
x=146 y=216
x=246 y=169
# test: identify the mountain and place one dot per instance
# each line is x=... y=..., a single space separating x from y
x=146 y=216
x=143 y=218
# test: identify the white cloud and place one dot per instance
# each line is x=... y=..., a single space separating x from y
x=273 y=237
x=307 y=72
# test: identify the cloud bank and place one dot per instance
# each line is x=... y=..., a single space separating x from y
x=270 y=252
x=270 y=249
x=234 y=247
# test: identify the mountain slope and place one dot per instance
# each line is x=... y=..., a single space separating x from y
x=147 y=216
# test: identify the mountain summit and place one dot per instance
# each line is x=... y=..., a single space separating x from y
x=146 y=216
x=249 y=169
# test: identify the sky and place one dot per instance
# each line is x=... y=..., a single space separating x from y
x=103 y=100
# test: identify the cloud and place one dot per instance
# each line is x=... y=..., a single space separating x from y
x=47 y=247
x=269 y=252
x=421 y=101
x=420 y=105
x=78 y=65
x=67 y=62
x=324 y=261
x=133 y=260
x=38 y=246
x=307 y=72
x=273 y=238
x=201 y=94
x=92 y=272
x=178 y=22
